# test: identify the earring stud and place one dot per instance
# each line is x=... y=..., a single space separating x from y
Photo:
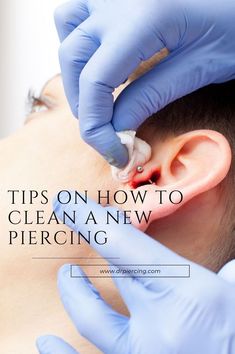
x=139 y=169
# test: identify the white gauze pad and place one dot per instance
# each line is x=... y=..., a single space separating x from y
x=139 y=153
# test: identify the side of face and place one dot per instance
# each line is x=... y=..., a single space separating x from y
x=196 y=163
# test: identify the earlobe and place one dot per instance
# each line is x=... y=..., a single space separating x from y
x=187 y=165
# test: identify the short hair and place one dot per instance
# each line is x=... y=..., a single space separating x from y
x=211 y=107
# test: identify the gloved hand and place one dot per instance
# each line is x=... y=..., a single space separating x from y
x=193 y=315
x=104 y=41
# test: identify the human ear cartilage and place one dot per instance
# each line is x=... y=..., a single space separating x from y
x=139 y=154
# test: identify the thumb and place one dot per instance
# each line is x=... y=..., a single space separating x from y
x=228 y=272
x=176 y=76
x=54 y=345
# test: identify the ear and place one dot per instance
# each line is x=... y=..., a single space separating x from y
x=181 y=168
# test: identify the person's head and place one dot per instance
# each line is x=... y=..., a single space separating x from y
x=193 y=143
x=49 y=154
x=190 y=150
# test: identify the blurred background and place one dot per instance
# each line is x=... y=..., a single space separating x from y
x=28 y=50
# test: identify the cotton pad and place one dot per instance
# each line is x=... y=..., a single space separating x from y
x=139 y=153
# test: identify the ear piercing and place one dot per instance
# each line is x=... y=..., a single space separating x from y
x=139 y=169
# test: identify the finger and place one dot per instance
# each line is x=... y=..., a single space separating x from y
x=91 y=73
x=69 y=16
x=130 y=289
x=92 y=317
x=173 y=78
x=96 y=104
x=54 y=345
x=112 y=63
x=228 y=272
x=75 y=51
x=129 y=246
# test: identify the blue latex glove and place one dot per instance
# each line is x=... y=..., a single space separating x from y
x=104 y=41
x=193 y=315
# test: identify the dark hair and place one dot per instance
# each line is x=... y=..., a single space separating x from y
x=211 y=107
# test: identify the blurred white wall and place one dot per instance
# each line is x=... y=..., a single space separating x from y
x=28 y=55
